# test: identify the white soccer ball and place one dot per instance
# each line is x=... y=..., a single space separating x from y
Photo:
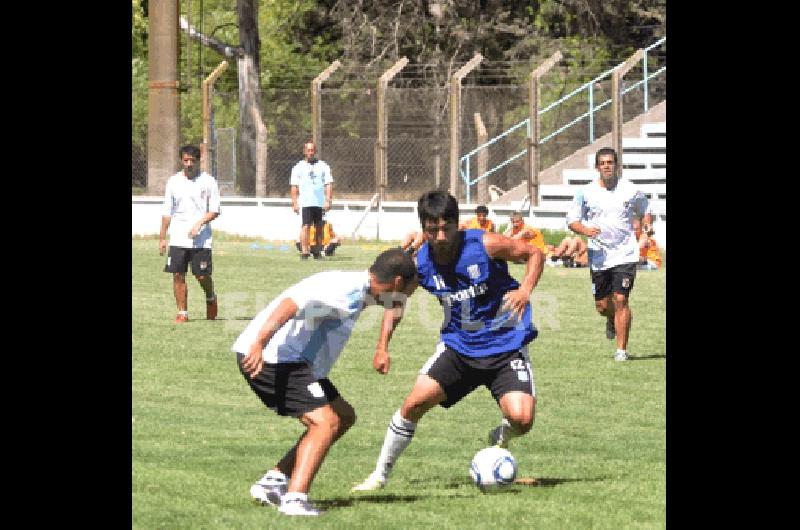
x=493 y=468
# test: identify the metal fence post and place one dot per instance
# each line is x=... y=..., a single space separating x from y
x=616 y=104
x=207 y=83
x=533 y=126
x=316 y=102
x=455 y=119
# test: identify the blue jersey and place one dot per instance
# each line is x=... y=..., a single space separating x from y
x=471 y=292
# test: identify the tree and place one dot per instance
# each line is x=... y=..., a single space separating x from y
x=247 y=67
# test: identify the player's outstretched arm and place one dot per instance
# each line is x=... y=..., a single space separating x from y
x=392 y=315
x=502 y=247
x=391 y=318
x=253 y=362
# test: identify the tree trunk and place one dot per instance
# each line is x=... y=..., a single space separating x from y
x=163 y=103
x=249 y=94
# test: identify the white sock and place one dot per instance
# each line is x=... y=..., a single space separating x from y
x=184 y=313
x=507 y=431
x=295 y=496
x=398 y=436
x=621 y=351
x=274 y=476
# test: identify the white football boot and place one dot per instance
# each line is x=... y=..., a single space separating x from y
x=373 y=482
x=296 y=506
x=269 y=489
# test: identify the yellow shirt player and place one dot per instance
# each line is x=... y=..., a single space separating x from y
x=480 y=221
x=649 y=253
x=330 y=241
x=517 y=229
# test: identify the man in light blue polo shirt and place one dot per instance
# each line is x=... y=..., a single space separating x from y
x=312 y=190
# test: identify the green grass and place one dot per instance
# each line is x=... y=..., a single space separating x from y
x=201 y=438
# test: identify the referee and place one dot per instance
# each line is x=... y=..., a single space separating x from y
x=312 y=191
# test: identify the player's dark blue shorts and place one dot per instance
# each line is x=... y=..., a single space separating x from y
x=617 y=279
x=290 y=389
x=312 y=215
x=458 y=375
x=179 y=258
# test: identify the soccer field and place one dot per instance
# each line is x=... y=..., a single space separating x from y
x=201 y=437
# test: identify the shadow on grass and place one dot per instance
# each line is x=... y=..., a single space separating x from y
x=344 y=502
x=532 y=481
x=646 y=357
x=544 y=482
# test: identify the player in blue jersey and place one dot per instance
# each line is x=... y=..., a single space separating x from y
x=484 y=336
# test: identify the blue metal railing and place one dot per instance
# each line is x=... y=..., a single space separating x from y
x=464 y=161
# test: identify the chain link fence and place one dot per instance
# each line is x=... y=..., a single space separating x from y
x=418 y=141
x=224 y=167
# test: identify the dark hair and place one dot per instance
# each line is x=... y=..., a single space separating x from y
x=604 y=151
x=482 y=209
x=192 y=150
x=517 y=214
x=435 y=205
x=391 y=263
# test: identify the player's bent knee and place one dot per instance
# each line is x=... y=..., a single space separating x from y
x=324 y=422
x=519 y=410
x=620 y=300
x=330 y=427
x=523 y=423
x=346 y=420
x=414 y=408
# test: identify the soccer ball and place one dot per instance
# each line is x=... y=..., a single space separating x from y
x=492 y=468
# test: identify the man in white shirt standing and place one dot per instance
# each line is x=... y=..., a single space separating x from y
x=603 y=211
x=312 y=192
x=288 y=349
x=191 y=202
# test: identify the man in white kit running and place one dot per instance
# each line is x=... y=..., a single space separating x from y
x=603 y=211
x=191 y=202
x=287 y=351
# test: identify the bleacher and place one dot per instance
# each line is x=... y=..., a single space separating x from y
x=644 y=162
